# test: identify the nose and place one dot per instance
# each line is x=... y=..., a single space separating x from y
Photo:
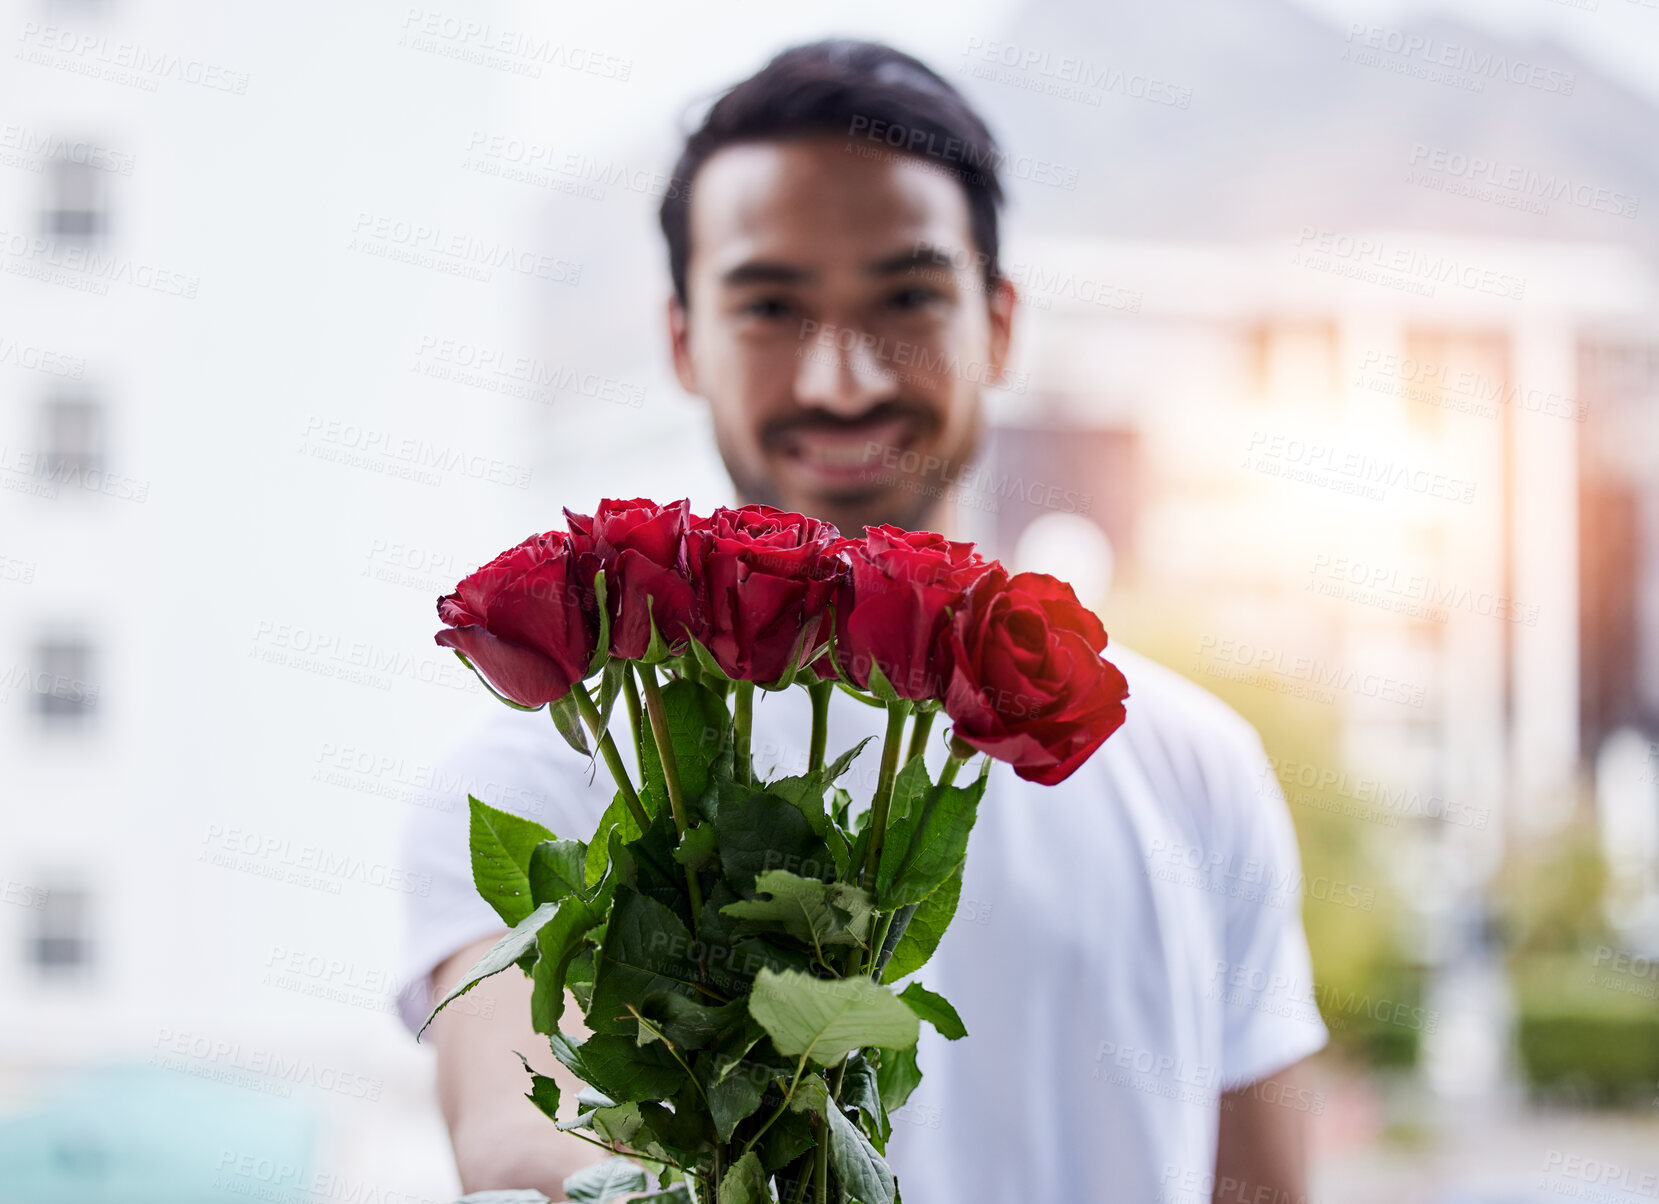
x=842 y=370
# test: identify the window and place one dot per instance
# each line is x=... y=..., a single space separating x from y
x=71 y=439
x=60 y=937
x=77 y=209
x=62 y=681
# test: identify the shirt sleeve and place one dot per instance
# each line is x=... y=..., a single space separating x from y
x=1269 y=1016
x=512 y=762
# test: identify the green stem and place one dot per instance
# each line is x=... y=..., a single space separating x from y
x=919 y=734
x=820 y=692
x=743 y=718
x=896 y=714
x=630 y=691
x=947 y=775
x=800 y=1068
x=881 y=932
x=608 y=749
x=820 y=1163
x=665 y=744
x=670 y=774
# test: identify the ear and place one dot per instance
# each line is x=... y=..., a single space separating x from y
x=679 y=344
x=1000 y=306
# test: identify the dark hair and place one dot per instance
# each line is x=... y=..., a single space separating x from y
x=857 y=89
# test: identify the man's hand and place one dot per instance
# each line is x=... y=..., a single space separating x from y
x=1262 y=1147
x=501 y=1140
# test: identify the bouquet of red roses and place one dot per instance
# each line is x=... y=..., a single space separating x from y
x=729 y=940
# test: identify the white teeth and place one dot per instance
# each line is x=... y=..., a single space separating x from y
x=835 y=455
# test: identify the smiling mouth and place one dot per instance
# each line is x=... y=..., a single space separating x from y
x=846 y=454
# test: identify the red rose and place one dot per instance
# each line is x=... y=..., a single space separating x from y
x=527 y=620
x=1028 y=684
x=641 y=546
x=903 y=585
x=763 y=579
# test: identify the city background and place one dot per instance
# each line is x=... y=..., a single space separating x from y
x=1336 y=389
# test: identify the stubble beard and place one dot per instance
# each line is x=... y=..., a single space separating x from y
x=912 y=501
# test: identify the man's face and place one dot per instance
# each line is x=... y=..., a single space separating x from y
x=839 y=327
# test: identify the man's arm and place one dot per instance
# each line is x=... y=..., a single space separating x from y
x=1262 y=1147
x=500 y=1139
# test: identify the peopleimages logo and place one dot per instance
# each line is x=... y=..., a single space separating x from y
x=1441 y=61
x=1526 y=183
x=1379 y=262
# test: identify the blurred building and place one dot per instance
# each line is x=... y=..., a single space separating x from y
x=1409 y=476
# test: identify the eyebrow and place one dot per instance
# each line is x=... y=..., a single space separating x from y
x=922 y=255
x=764 y=271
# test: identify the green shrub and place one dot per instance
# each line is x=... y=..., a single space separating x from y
x=1586 y=1031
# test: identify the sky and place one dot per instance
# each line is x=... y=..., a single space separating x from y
x=1621 y=37
x=698 y=49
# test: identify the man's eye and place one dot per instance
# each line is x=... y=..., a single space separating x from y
x=767 y=307
x=913 y=297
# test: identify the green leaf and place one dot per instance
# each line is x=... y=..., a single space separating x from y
x=502 y=954
x=645 y=958
x=602 y=648
x=861 y=1171
x=733 y=1083
x=882 y=689
x=860 y=1090
x=605 y=1181
x=841 y=805
x=557 y=944
x=691 y=1025
x=697 y=847
x=544 y=1091
x=926 y=928
x=922 y=850
x=759 y=832
x=678 y=1194
x=705 y=659
x=568 y=720
x=610 y=685
x=806 y=791
x=826 y=1019
x=735 y=1098
x=656 y=648
x=620 y=1123
x=789 y=1137
x=897 y=1076
x=936 y=1010
x=811 y=1096
x=809 y=910
x=558 y=869
x=618 y=817
x=700 y=728
x=501 y=844
x=745 y=1182
x=624 y=1070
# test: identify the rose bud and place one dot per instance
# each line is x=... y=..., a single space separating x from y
x=1027 y=682
x=903 y=585
x=641 y=547
x=764 y=579
x=527 y=620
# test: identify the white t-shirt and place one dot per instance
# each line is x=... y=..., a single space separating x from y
x=1128 y=944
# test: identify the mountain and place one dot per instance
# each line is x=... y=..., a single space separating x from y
x=1294 y=121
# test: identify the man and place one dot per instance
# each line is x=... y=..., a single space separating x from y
x=1128 y=956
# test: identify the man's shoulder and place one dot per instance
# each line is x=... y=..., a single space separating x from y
x=1164 y=705
x=516 y=760
x=1200 y=757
